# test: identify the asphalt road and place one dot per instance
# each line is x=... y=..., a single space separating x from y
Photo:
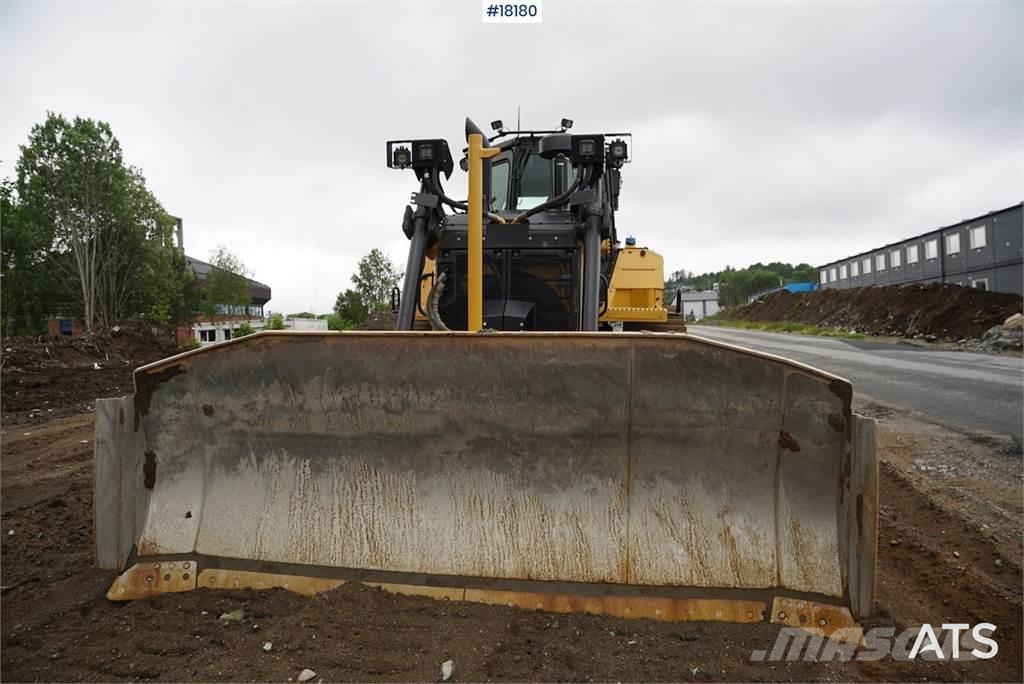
x=973 y=392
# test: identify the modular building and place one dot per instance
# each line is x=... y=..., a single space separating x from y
x=695 y=305
x=984 y=252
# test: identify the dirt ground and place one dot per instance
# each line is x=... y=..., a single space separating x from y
x=947 y=312
x=49 y=377
x=949 y=551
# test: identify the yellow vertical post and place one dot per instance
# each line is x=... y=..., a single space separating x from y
x=475 y=216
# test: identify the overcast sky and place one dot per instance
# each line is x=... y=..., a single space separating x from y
x=762 y=131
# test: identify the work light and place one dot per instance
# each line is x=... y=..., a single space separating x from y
x=587 y=149
x=617 y=151
x=400 y=158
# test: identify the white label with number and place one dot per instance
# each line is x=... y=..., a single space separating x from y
x=512 y=12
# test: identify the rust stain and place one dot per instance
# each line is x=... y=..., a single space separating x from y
x=439 y=593
x=843 y=390
x=786 y=441
x=214 y=578
x=150 y=579
x=651 y=607
x=143 y=580
x=147 y=381
x=818 y=618
x=654 y=608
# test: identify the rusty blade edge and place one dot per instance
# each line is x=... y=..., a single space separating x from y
x=151 y=577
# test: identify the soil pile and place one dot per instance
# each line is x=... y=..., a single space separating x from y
x=936 y=310
x=47 y=377
x=381 y=320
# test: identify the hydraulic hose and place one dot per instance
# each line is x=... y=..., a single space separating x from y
x=604 y=291
x=435 y=296
x=418 y=306
x=461 y=206
x=582 y=176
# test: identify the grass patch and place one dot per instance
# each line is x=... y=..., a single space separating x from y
x=782 y=327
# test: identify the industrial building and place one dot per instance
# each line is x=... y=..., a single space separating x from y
x=695 y=305
x=984 y=252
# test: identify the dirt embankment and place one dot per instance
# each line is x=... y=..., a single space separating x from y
x=381 y=320
x=49 y=377
x=936 y=310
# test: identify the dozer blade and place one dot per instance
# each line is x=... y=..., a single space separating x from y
x=655 y=475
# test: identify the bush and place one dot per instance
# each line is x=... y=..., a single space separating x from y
x=276 y=322
x=243 y=330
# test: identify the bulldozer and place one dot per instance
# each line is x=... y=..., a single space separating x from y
x=539 y=431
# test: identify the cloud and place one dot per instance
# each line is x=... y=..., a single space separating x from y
x=763 y=131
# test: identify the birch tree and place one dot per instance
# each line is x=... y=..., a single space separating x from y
x=71 y=173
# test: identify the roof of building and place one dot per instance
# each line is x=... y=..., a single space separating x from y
x=924 y=234
x=260 y=291
x=703 y=296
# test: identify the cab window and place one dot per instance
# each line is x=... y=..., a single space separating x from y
x=535 y=187
x=499 y=185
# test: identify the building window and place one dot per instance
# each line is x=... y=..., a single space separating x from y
x=879 y=262
x=894 y=258
x=953 y=243
x=207 y=335
x=842 y=272
x=867 y=266
x=832 y=274
x=931 y=249
x=854 y=268
x=911 y=254
x=977 y=237
x=227 y=334
x=823 y=276
x=979 y=283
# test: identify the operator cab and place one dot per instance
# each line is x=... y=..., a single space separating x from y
x=550 y=200
x=521 y=179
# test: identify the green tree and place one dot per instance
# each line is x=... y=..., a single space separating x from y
x=350 y=309
x=302 y=314
x=376 y=276
x=336 y=322
x=227 y=285
x=176 y=299
x=29 y=286
x=71 y=176
x=804 y=273
x=735 y=286
x=100 y=231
